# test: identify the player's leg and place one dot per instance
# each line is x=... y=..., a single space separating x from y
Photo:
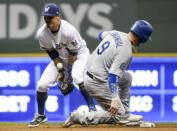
x=124 y=93
x=100 y=91
x=124 y=90
x=102 y=94
x=88 y=118
x=77 y=75
x=103 y=97
x=48 y=78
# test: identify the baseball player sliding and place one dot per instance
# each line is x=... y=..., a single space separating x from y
x=107 y=80
x=69 y=55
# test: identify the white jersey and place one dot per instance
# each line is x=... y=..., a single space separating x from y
x=113 y=55
x=67 y=38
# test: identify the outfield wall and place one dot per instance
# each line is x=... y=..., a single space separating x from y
x=20 y=20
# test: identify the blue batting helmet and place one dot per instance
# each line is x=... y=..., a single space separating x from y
x=51 y=9
x=142 y=30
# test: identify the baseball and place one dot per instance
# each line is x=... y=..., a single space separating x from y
x=59 y=66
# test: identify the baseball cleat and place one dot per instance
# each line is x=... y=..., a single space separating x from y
x=131 y=118
x=38 y=119
x=69 y=121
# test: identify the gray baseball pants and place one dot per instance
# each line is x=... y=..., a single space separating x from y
x=101 y=92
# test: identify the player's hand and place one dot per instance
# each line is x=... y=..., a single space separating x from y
x=61 y=72
x=60 y=76
x=71 y=59
x=114 y=107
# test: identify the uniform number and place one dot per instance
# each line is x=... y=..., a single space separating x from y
x=104 y=46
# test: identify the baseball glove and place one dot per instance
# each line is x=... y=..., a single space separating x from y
x=66 y=86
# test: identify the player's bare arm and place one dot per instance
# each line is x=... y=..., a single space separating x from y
x=71 y=59
x=54 y=55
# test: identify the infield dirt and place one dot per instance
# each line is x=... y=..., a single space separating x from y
x=58 y=127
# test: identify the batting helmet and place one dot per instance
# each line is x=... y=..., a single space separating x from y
x=142 y=30
x=51 y=9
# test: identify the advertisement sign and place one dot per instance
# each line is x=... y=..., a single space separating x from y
x=153 y=91
x=21 y=19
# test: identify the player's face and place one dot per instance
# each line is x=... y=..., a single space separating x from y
x=53 y=23
x=134 y=39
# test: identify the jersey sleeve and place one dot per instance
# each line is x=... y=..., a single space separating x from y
x=74 y=41
x=120 y=65
x=44 y=44
x=103 y=34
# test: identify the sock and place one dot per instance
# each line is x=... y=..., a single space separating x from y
x=88 y=98
x=41 y=99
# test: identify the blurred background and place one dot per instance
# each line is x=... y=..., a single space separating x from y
x=154 y=68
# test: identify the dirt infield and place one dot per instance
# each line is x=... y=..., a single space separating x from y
x=58 y=127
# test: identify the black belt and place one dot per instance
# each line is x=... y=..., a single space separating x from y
x=90 y=75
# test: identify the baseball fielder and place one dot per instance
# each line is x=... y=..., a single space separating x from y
x=106 y=78
x=68 y=52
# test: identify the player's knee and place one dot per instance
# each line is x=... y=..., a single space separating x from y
x=42 y=87
x=128 y=78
